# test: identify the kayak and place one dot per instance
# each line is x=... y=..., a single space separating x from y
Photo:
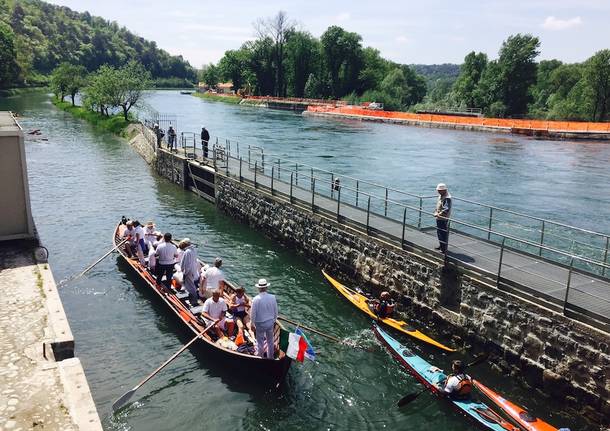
x=518 y=414
x=361 y=302
x=430 y=376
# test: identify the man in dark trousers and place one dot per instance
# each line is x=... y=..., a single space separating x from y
x=171 y=137
x=205 y=138
x=442 y=214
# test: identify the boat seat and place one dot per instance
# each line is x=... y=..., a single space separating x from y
x=196 y=310
x=182 y=295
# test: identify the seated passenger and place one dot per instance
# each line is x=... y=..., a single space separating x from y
x=149 y=232
x=213 y=279
x=214 y=308
x=130 y=235
x=458 y=385
x=158 y=239
x=384 y=306
x=238 y=303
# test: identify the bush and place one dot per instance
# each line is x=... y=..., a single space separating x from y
x=114 y=123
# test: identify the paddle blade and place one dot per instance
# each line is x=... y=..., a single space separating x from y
x=407 y=399
x=481 y=358
x=118 y=404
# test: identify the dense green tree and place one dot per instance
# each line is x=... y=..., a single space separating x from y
x=597 y=77
x=276 y=29
x=232 y=67
x=312 y=87
x=133 y=79
x=343 y=57
x=67 y=80
x=468 y=80
x=9 y=70
x=543 y=88
x=374 y=69
x=302 y=59
x=210 y=74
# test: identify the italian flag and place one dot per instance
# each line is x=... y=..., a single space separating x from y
x=299 y=347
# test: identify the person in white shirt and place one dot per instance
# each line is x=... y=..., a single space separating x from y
x=166 y=253
x=263 y=315
x=214 y=308
x=189 y=265
x=141 y=248
x=149 y=233
x=130 y=235
x=458 y=385
x=213 y=278
x=238 y=304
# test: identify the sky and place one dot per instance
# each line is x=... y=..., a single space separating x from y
x=410 y=32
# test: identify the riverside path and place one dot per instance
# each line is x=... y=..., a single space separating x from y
x=565 y=268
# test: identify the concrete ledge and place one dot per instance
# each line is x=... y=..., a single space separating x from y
x=77 y=395
x=59 y=342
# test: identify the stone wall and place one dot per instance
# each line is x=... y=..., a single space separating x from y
x=567 y=360
x=139 y=139
x=171 y=166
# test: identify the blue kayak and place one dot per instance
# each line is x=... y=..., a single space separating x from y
x=430 y=376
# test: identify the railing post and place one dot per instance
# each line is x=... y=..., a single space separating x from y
x=500 y=262
x=313 y=191
x=263 y=161
x=491 y=214
x=385 y=211
x=357 y=190
x=272 y=175
x=338 y=203
x=565 y=299
x=541 y=239
x=404 y=222
x=240 y=177
x=296 y=172
x=237 y=150
x=214 y=155
x=249 y=161
x=421 y=205
x=368 y=215
x=255 y=171
x=291 y=174
x=332 y=182
x=279 y=167
x=606 y=256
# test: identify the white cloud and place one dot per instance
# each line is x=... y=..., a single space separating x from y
x=553 y=23
x=403 y=39
x=343 y=16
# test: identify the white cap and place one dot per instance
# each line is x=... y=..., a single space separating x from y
x=441 y=186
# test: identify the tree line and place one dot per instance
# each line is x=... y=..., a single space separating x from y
x=35 y=37
x=104 y=91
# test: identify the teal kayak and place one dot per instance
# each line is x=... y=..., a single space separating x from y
x=430 y=376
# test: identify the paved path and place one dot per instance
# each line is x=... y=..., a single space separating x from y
x=535 y=277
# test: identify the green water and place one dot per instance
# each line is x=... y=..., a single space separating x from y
x=82 y=181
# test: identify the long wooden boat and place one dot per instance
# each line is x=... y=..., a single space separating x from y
x=362 y=303
x=429 y=376
x=521 y=416
x=270 y=371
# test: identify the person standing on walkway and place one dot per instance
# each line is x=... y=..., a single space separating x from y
x=190 y=270
x=205 y=138
x=442 y=214
x=171 y=137
x=263 y=315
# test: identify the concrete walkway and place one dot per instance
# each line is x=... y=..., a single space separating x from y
x=36 y=391
x=534 y=278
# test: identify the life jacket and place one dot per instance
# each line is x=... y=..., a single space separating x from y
x=464 y=387
x=385 y=309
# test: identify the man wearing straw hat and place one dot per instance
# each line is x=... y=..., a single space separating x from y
x=190 y=269
x=442 y=214
x=263 y=315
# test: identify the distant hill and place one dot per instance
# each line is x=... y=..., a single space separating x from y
x=45 y=35
x=436 y=71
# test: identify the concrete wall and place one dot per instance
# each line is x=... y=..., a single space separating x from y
x=567 y=360
x=15 y=210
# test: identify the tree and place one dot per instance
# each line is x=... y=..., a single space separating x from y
x=543 y=89
x=133 y=79
x=597 y=77
x=100 y=93
x=277 y=29
x=343 y=57
x=68 y=79
x=302 y=59
x=312 y=87
x=374 y=69
x=518 y=71
x=231 y=67
x=210 y=75
x=9 y=70
x=470 y=75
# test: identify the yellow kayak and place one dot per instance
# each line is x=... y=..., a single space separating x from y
x=361 y=302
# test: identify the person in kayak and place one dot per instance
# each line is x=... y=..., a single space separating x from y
x=384 y=306
x=458 y=384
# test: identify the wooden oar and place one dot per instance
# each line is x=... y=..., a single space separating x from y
x=74 y=277
x=127 y=395
x=410 y=397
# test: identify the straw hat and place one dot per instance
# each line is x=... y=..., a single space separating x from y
x=441 y=186
x=262 y=284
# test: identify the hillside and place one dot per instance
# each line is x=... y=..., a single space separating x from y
x=43 y=35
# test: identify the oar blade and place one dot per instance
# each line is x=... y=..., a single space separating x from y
x=481 y=358
x=407 y=399
x=118 y=404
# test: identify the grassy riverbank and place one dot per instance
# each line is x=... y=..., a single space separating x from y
x=219 y=98
x=114 y=123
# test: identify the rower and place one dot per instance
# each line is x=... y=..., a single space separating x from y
x=458 y=385
x=212 y=279
x=384 y=306
x=214 y=308
x=238 y=304
x=130 y=234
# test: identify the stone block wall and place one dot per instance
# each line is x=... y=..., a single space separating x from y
x=171 y=166
x=567 y=360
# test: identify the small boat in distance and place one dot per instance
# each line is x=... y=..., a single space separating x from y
x=270 y=371
x=362 y=303
x=186 y=92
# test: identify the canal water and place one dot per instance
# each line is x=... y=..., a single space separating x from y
x=82 y=181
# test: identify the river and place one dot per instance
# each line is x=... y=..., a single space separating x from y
x=82 y=181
